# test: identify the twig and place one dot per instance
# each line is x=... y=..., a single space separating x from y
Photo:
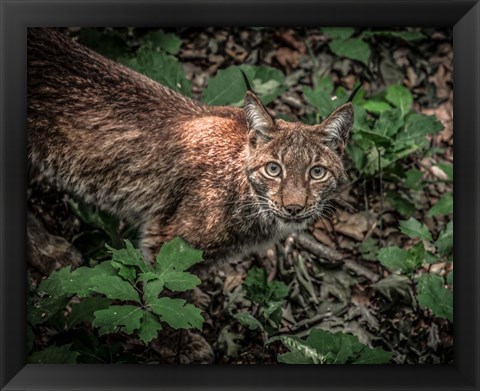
x=361 y=270
x=304 y=279
x=309 y=243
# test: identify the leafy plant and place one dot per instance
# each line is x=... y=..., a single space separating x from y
x=343 y=43
x=159 y=66
x=120 y=295
x=324 y=347
x=432 y=291
x=269 y=296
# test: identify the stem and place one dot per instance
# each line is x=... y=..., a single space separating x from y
x=381 y=195
x=314 y=63
x=414 y=289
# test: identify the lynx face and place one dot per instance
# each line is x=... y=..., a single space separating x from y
x=293 y=168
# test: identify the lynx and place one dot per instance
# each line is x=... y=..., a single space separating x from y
x=226 y=179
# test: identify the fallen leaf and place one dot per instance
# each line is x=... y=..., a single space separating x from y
x=322 y=237
x=439 y=173
x=355 y=225
x=232 y=281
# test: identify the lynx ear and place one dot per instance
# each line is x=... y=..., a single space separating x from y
x=259 y=121
x=337 y=126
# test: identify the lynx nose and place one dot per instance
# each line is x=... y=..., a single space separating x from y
x=294 y=209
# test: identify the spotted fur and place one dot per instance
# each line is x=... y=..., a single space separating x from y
x=167 y=163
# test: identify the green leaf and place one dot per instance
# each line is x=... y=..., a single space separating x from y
x=338 y=32
x=177 y=313
x=444 y=242
x=301 y=352
x=177 y=255
x=376 y=107
x=353 y=48
x=277 y=290
x=326 y=84
x=337 y=347
x=54 y=355
x=152 y=288
x=417 y=126
x=417 y=256
x=268 y=82
x=389 y=123
x=127 y=273
x=114 y=288
x=46 y=308
x=323 y=347
x=129 y=256
x=52 y=286
x=320 y=99
x=376 y=138
x=79 y=282
x=160 y=40
x=261 y=291
x=407 y=262
x=395 y=258
x=433 y=295
x=83 y=311
x=373 y=356
x=400 y=97
x=256 y=282
x=414 y=229
x=180 y=281
x=149 y=327
x=401 y=204
x=118 y=318
x=444 y=206
x=413 y=179
x=361 y=118
x=357 y=154
x=248 y=321
x=160 y=67
x=228 y=88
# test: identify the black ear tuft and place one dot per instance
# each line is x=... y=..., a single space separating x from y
x=259 y=121
x=247 y=82
x=350 y=99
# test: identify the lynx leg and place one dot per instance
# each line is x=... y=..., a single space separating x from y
x=153 y=236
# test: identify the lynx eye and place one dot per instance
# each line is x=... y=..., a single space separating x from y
x=318 y=172
x=273 y=169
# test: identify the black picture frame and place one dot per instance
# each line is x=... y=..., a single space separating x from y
x=17 y=15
